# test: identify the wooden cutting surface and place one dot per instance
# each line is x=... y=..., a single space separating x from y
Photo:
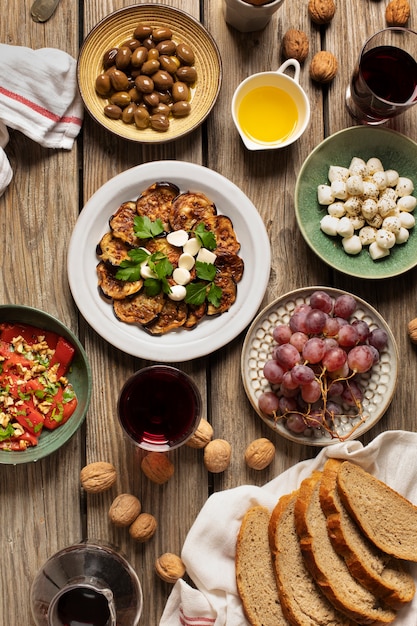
x=42 y=508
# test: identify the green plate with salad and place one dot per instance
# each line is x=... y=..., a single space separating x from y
x=45 y=384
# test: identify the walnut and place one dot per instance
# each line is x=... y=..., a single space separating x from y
x=259 y=453
x=202 y=435
x=295 y=45
x=157 y=467
x=397 y=12
x=217 y=455
x=321 y=11
x=124 y=509
x=412 y=330
x=97 y=477
x=323 y=67
x=143 y=528
x=169 y=567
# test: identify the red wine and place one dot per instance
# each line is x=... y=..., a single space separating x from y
x=388 y=73
x=83 y=606
x=159 y=407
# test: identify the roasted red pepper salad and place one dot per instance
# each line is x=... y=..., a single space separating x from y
x=34 y=391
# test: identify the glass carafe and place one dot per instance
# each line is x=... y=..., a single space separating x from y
x=86 y=584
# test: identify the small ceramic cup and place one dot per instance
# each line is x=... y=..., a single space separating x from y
x=270 y=109
x=247 y=17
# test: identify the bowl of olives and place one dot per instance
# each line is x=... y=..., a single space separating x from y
x=149 y=73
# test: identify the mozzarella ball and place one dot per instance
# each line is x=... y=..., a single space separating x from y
x=392 y=223
x=358 y=167
x=354 y=185
x=367 y=235
x=370 y=190
x=407 y=220
x=392 y=177
x=345 y=227
x=402 y=236
x=369 y=208
x=336 y=209
x=353 y=205
x=324 y=194
x=337 y=172
x=404 y=186
x=329 y=224
x=374 y=165
x=352 y=245
x=338 y=189
x=407 y=203
x=385 y=238
x=377 y=252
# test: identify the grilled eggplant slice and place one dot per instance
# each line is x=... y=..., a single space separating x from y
x=226 y=239
x=229 y=291
x=114 y=288
x=156 y=201
x=141 y=309
x=160 y=244
x=189 y=209
x=112 y=250
x=194 y=315
x=232 y=264
x=122 y=224
x=173 y=315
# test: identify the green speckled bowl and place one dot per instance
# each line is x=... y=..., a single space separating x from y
x=395 y=152
x=79 y=377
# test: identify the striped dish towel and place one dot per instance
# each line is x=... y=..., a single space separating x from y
x=38 y=97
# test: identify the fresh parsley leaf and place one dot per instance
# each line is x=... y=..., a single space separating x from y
x=144 y=228
x=6 y=433
x=205 y=237
x=152 y=286
x=205 y=271
x=130 y=268
x=129 y=271
x=160 y=265
x=196 y=293
x=214 y=295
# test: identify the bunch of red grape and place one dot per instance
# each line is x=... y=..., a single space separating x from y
x=316 y=365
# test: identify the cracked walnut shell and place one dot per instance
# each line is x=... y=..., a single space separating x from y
x=321 y=11
x=295 y=45
x=323 y=67
x=97 y=477
x=169 y=567
x=260 y=453
x=397 y=13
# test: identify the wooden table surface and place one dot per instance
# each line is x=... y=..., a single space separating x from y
x=42 y=507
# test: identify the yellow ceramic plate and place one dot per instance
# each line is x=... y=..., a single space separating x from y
x=115 y=29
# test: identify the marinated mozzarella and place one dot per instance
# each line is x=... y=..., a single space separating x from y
x=367 y=206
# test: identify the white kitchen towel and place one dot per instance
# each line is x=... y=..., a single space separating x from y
x=6 y=173
x=39 y=97
x=209 y=549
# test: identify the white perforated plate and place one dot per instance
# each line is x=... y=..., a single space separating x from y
x=378 y=385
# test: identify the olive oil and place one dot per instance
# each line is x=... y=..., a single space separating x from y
x=268 y=114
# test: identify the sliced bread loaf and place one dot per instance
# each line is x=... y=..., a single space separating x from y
x=385 y=516
x=255 y=576
x=301 y=599
x=382 y=574
x=327 y=567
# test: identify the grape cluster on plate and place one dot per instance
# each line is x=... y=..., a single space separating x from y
x=316 y=363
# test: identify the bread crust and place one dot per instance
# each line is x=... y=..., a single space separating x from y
x=326 y=566
x=301 y=599
x=387 y=518
x=255 y=577
x=382 y=574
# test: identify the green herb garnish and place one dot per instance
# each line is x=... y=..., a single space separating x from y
x=205 y=237
x=144 y=228
x=205 y=288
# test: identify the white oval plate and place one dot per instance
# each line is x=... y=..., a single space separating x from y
x=378 y=385
x=211 y=333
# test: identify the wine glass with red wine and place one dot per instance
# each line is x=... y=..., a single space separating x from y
x=384 y=81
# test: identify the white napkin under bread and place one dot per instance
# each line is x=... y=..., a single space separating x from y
x=38 y=97
x=209 y=549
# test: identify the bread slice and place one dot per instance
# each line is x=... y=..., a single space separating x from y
x=301 y=599
x=255 y=577
x=385 y=516
x=382 y=574
x=327 y=567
